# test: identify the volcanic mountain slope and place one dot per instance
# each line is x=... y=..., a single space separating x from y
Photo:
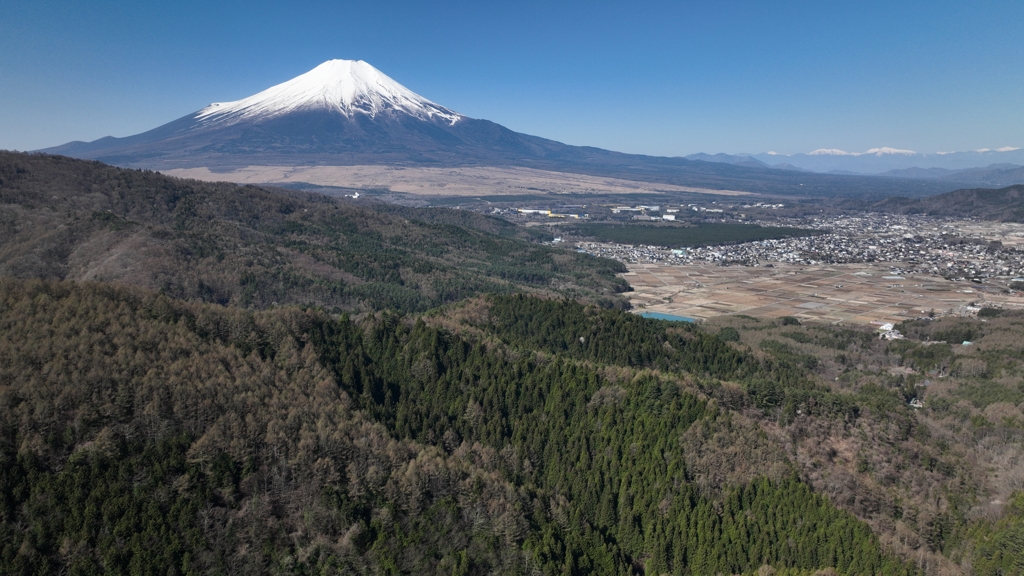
x=339 y=108
x=345 y=113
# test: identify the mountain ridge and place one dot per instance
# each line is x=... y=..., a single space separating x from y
x=995 y=175
x=251 y=246
x=881 y=161
x=1001 y=205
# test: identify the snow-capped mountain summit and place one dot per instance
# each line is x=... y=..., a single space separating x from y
x=347 y=87
x=341 y=112
x=872 y=152
x=885 y=150
x=821 y=152
x=884 y=159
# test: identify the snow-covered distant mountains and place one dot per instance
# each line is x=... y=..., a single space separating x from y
x=881 y=160
x=345 y=113
x=998 y=167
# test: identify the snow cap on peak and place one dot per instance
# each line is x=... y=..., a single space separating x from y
x=871 y=152
x=347 y=87
x=1003 y=149
x=882 y=151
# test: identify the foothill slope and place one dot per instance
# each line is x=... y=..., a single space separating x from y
x=1000 y=205
x=253 y=247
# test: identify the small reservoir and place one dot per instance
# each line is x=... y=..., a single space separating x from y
x=669 y=317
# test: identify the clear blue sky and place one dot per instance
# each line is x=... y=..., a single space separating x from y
x=666 y=78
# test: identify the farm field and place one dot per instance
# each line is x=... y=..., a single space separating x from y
x=441 y=182
x=843 y=293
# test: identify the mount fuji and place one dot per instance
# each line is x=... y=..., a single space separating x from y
x=348 y=113
x=344 y=87
x=341 y=112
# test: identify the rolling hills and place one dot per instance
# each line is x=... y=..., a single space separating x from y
x=254 y=247
x=1000 y=205
x=210 y=378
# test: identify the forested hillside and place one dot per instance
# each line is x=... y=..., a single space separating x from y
x=935 y=461
x=255 y=247
x=143 y=434
x=242 y=380
x=1001 y=205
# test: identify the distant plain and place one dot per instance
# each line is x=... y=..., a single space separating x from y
x=463 y=181
x=840 y=293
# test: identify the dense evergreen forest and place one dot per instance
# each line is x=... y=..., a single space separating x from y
x=679 y=236
x=142 y=434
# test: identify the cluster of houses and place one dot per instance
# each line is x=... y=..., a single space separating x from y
x=549 y=213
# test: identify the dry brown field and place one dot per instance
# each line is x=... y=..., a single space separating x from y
x=835 y=294
x=474 y=181
x=1011 y=234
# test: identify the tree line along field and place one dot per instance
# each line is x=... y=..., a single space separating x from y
x=673 y=235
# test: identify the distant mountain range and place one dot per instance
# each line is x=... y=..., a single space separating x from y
x=345 y=113
x=992 y=175
x=882 y=160
x=1000 y=167
x=1002 y=205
